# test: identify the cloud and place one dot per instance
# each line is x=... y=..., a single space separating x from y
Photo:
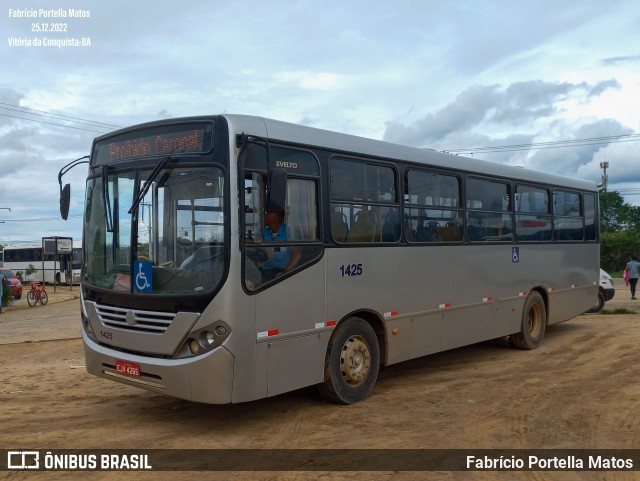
x=521 y=103
x=484 y=116
x=465 y=112
x=8 y=98
x=611 y=61
x=572 y=160
x=603 y=86
x=493 y=32
x=525 y=101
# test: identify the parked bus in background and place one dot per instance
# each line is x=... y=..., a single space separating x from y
x=230 y=258
x=20 y=258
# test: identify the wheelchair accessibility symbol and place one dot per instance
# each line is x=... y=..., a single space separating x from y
x=515 y=254
x=143 y=281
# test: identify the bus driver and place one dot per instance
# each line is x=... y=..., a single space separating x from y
x=279 y=259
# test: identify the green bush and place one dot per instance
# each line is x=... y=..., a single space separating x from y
x=616 y=247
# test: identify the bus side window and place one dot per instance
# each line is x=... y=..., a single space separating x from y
x=339 y=226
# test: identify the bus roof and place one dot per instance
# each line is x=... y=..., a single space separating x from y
x=351 y=144
x=285 y=131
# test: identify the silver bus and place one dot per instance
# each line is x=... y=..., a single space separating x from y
x=231 y=258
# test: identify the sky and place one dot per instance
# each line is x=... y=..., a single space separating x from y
x=455 y=76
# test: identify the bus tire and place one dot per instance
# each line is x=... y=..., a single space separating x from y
x=352 y=362
x=533 y=325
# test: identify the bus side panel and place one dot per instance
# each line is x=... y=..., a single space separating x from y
x=295 y=363
x=289 y=316
x=569 y=303
x=393 y=283
x=426 y=337
x=455 y=295
x=398 y=342
x=468 y=325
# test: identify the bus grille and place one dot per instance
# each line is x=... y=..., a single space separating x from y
x=135 y=320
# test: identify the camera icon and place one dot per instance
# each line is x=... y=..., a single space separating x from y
x=23 y=459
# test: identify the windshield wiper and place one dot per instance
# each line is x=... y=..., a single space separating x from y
x=105 y=196
x=142 y=192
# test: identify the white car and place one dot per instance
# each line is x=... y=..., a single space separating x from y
x=606 y=291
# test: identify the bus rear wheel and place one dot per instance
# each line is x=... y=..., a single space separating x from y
x=533 y=325
x=352 y=362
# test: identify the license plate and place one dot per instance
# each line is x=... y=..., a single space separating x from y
x=128 y=368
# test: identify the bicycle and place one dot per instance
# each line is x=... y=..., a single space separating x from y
x=37 y=294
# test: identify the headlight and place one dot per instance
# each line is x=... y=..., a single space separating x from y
x=204 y=340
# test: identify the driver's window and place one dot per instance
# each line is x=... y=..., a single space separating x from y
x=278 y=243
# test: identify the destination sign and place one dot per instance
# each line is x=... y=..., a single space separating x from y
x=165 y=140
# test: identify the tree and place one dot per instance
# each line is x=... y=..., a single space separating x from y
x=612 y=211
x=619 y=231
x=616 y=247
x=31 y=269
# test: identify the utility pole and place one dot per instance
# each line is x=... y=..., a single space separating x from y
x=605 y=177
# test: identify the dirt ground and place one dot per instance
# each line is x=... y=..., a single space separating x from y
x=579 y=390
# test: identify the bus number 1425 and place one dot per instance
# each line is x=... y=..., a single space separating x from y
x=351 y=270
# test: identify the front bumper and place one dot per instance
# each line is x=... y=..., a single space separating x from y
x=207 y=378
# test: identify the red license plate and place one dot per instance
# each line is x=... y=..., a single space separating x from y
x=128 y=368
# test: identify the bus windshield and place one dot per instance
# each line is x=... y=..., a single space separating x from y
x=172 y=242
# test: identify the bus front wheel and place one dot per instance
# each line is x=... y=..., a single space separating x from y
x=352 y=362
x=533 y=325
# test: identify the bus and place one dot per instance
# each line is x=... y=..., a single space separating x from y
x=49 y=270
x=230 y=258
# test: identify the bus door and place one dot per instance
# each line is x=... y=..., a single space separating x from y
x=281 y=249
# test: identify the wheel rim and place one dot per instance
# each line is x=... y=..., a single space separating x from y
x=535 y=320
x=355 y=361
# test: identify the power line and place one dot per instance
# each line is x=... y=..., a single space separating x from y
x=44 y=113
x=54 y=116
x=52 y=123
x=40 y=219
x=613 y=139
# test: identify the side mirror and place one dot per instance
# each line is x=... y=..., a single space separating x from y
x=277 y=190
x=65 y=200
x=65 y=193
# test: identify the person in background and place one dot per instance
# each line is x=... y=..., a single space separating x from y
x=631 y=271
